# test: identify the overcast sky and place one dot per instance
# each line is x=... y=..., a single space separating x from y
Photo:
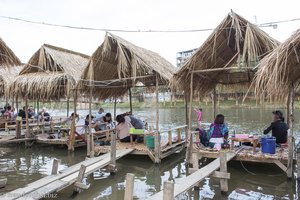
x=26 y=38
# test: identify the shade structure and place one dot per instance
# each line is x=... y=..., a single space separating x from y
x=279 y=72
x=51 y=73
x=7 y=76
x=7 y=56
x=228 y=56
x=118 y=65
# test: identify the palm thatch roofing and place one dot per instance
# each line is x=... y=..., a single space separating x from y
x=118 y=65
x=228 y=56
x=7 y=76
x=51 y=73
x=7 y=56
x=279 y=71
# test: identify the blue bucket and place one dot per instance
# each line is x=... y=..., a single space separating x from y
x=268 y=145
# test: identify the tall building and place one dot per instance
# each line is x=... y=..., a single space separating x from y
x=183 y=56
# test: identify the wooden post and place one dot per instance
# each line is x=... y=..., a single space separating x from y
x=78 y=186
x=223 y=168
x=113 y=154
x=179 y=135
x=27 y=135
x=115 y=108
x=298 y=163
x=54 y=167
x=186 y=108
x=129 y=186
x=73 y=125
x=68 y=106
x=157 y=134
x=189 y=150
x=170 y=138
x=17 y=104
x=130 y=99
x=168 y=192
x=18 y=127
x=195 y=162
x=214 y=101
x=290 y=111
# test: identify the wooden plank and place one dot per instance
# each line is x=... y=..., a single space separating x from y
x=193 y=179
x=68 y=177
x=223 y=168
x=218 y=174
x=281 y=165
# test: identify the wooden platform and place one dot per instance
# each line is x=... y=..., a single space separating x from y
x=141 y=149
x=247 y=154
x=65 y=178
x=193 y=179
x=44 y=139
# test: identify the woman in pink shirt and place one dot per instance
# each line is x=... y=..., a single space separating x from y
x=199 y=116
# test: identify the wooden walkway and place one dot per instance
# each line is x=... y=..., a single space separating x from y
x=63 y=179
x=193 y=179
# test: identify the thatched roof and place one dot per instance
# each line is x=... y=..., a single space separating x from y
x=7 y=56
x=7 y=76
x=228 y=56
x=279 y=71
x=51 y=73
x=118 y=65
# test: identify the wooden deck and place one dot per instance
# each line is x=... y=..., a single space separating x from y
x=63 y=179
x=247 y=154
x=193 y=179
x=141 y=148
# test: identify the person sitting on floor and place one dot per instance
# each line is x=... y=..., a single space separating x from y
x=135 y=122
x=45 y=116
x=100 y=114
x=278 y=127
x=218 y=133
x=106 y=122
x=123 y=128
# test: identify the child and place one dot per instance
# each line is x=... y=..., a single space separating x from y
x=199 y=115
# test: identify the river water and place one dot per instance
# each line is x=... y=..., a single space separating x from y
x=248 y=180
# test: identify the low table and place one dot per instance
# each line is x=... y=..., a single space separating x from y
x=252 y=140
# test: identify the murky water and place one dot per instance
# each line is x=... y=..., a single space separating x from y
x=248 y=180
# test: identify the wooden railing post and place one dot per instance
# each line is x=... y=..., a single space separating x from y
x=289 y=171
x=168 y=192
x=223 y=168
x=157 y=146
x=129 y=186
x=113 y=154
x=179 y=135
x=79 y=186
x=54 y=167
x=170 y=137
x=189 y=148
x=18 y=127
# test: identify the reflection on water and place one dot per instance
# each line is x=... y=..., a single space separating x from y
x=248 y=180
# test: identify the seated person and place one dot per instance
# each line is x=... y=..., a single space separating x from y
x=9 y=115
x=45 y=116
x=218 y=133
x=123 y=128
x=278 y=127
x=135 y=122
x=106 y=122
x=100 y=114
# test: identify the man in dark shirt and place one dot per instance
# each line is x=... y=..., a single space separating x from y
x=278 y=127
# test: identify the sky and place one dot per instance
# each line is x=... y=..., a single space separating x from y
x=25 y=39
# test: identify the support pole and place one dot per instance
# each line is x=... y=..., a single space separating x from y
x=223 y=168
x=190 y=146
x=130 y=99
x=298 y=163
x=113 y=154
x=214 y=97
x=129 y=186
x=17 y=104
x=27 y=135
x=68 y=106
x=92 y=153
x=157 y=134
x=186 y=108
x=115 y=108
x=290 y=111
x=73 y=125
x=168 y=192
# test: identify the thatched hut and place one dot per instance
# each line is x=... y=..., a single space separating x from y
x=118 y=65
x=278 y=77
x=51 y=73
x=228 y=56
x=7 y=56
x=9 y=67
